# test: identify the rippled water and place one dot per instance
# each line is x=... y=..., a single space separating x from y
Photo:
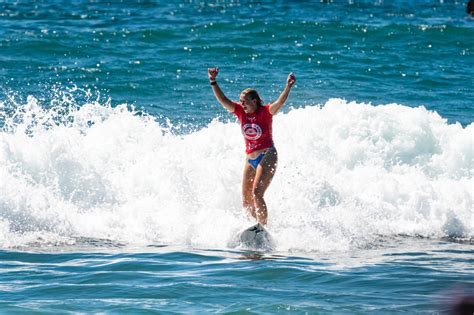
x=155 y=54
x=413 y=276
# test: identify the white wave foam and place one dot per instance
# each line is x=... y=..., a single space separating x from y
x=348 y=175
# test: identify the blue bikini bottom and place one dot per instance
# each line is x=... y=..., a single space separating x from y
x=254 y=162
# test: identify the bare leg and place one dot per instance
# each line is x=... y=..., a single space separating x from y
x=263 y=177
x=247 y=189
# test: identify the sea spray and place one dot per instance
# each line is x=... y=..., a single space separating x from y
x=352 y=173
x=349 y=174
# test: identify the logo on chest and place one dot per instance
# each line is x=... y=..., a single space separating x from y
x=251 y=131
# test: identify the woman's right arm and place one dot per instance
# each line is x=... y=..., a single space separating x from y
x=220 y=96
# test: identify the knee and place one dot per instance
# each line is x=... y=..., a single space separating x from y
x=258 y=192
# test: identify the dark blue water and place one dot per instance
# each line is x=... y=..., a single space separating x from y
x=155 y=54
x=428 y=279
x=120 y=172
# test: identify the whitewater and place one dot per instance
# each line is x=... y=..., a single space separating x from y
x=349 y=175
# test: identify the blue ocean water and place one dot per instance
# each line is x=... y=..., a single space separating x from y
x=120 y=173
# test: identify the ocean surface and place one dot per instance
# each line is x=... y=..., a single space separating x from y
x=120 y=173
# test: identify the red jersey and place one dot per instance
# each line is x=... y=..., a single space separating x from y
x=256 y=127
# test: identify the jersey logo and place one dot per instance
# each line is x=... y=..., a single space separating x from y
x=252 y=131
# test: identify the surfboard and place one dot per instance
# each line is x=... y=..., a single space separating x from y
x=255 y=237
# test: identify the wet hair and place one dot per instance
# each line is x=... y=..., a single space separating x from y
x=253 y=95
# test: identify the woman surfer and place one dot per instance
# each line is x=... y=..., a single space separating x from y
x=262 y=157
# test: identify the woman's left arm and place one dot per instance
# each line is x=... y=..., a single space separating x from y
x=275 y=106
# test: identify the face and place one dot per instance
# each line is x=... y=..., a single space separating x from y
x=249 y=105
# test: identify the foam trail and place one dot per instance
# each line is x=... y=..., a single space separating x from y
x=348 y=175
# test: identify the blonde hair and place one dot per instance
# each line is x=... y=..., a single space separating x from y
x=253 y=95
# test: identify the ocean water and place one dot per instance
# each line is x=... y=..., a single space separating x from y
x=120 y=173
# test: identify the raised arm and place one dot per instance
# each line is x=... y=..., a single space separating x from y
x=220 y=96
x=275 y=106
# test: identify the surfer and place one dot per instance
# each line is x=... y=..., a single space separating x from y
x=261 y=155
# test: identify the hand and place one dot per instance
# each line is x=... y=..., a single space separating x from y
x=291 y=80
x=212 y=72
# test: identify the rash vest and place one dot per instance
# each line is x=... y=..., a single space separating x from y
x=256 y=127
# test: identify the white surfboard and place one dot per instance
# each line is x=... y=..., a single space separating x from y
x=255 y=237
